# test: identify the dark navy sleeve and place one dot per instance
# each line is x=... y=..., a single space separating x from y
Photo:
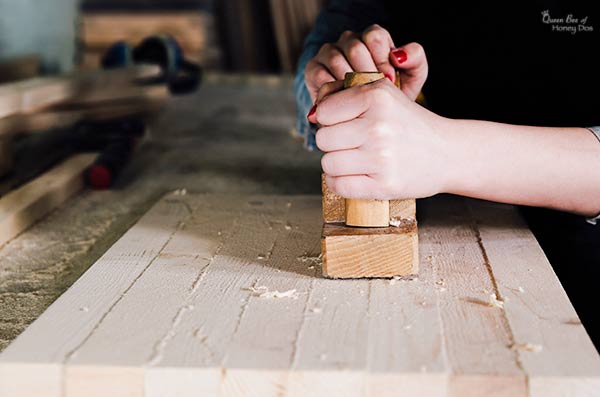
x=338 y=16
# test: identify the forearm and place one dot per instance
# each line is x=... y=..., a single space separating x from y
x=538 y=166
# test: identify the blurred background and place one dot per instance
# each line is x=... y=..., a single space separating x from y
x=257 y=36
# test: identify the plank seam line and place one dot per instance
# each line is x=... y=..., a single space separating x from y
x=161 y=344
x=298 y=336
x=505 y=321
x=254 y=284
x=443 y=339
x=368 y=338
x=73 y=351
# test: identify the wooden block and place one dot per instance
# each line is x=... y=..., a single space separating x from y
x=22 y=207
x=364 y=212
x=367 y=212
x=334 y=207
x=350 y=252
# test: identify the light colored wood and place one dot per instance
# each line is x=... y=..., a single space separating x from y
x=365 y=212
x=85 y=87
x=169 y=310
x=374 y=252
x=334 y=207
x=529 y=285
x=24 y=206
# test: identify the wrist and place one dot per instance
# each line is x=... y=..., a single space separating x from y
x=455 y=154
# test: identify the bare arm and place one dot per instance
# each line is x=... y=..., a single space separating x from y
x=539 y=166
x=380 y=144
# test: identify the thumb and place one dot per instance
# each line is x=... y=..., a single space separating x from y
x=410 y=59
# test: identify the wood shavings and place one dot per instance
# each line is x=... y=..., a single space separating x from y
x=528 y=347
x=399 y=222
x=395 y=279
x=311 y=261
x=495 y=302
x=521 y=289
x=84 y=309
x=180 y=192
x=263 y=292
x=316 y=310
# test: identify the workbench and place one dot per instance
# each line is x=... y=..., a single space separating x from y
x=214 y=288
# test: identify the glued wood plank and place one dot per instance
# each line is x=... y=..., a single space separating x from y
x=553 y=348
x=24 y=206
x=477 y=334
x=220 y=296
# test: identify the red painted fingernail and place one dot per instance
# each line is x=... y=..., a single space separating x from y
x=400 y=55
x=313 y=110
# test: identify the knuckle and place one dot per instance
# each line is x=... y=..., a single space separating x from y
x=345 y=35
x=341 y=188
x=326 y=48
x=356 y=49
x=387 y=184
x=322 y=76
x=379 y=131
x=336 y=60
x=375 y=35
x=379 y=96
x=418 y=49
x=381 y=158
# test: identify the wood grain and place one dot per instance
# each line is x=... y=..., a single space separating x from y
x=24 y=206
x=169 y=310
x=334 y=207
x=365 y=212
x=370 y=252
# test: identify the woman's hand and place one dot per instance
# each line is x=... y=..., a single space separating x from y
x=380 y=144
x=371 y=51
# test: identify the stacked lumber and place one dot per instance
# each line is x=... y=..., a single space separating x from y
x=194 y=30
x=44 y=103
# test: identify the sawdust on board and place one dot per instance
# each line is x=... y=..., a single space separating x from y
x=495 y=302
x=528 y=347
x=263 y=292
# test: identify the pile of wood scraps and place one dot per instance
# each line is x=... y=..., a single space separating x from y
x=58 y=105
